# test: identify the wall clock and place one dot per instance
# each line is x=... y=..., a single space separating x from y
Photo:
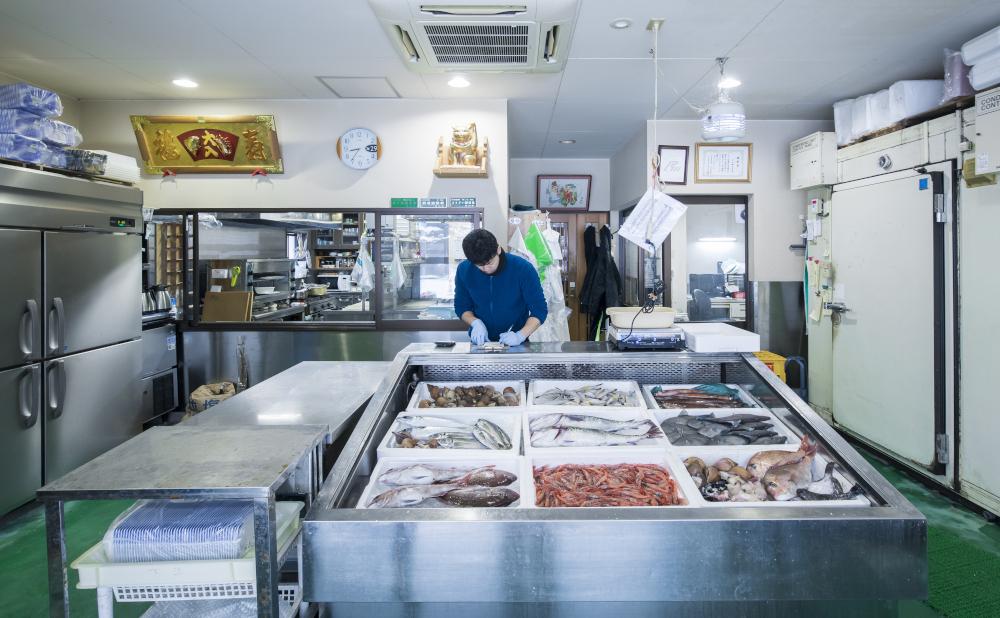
x=359 y=149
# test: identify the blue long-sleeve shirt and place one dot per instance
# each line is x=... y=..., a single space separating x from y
x=503 y=300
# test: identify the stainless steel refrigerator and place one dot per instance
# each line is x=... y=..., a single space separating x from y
x=70 y=323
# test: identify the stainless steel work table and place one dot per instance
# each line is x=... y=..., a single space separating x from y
x=750 y=560
x=217 y=463
x=309 y=393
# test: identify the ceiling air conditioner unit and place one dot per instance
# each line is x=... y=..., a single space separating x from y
x=532 y=36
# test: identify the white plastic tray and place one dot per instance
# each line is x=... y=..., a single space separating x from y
x=647 y=393
x=510 y=423
x=793 y=440
x=508 y=463
x=422 y=393
x=96 y=571
x=685 y=485
x=658 y=443
x=718 y=337
x=742 y=455
x=633 y=397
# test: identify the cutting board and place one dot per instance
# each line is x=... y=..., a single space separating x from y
x=227 y=307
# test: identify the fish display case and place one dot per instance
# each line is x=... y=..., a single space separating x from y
x=690 y=554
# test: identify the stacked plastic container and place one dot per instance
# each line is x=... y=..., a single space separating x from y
x=29 y=131
x=983 y=55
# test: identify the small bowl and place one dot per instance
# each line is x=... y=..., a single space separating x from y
x=260 y=289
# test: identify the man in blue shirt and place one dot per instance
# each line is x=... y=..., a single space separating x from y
x=497 y=294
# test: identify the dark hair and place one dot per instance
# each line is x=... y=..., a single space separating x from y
x=480 y=246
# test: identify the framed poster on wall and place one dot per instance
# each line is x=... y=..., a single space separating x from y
x=673 y=165
x=723 y=162
x=567 y=193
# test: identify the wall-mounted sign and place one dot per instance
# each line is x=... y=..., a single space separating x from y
x=208 y=144
x=462 y=202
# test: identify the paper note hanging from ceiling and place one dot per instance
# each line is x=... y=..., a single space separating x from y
x=652 y=220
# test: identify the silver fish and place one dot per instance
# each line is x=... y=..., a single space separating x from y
x=589 y=395
x=422 y=474
x=854 y=492
x=426 y=433
x=635 y=427
x=574 y=436
x=481 y=496
x=491 y=435
x=410 y=495
x=407 y=420
x=454 y=439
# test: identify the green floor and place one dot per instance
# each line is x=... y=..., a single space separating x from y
x=963 y=553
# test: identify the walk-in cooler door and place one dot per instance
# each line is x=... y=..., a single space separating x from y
x=892 y=312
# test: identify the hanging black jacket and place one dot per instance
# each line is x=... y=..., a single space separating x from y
x=590 y=256
x=602 y=286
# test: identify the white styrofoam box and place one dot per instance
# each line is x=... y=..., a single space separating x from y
x=421 y=392
x=96 y=570
x=842 y=120
x=974 y=50
x=508 y=463
x=813 y=160
x=506 y=420
x=861 y=123
x=686 y=489
x=742 y=455
x=987 y=151
x=647 y=393
x=718 y=337
x=618 y=414
x=630 y=387
x=878 y=110
x=986 y=74
x=910 y=97
x=776 y=425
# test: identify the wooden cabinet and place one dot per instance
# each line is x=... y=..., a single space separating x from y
x=571 y=227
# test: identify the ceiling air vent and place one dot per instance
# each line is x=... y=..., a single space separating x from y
x=478 y=35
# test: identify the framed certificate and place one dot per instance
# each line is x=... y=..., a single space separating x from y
x=723 y=162
x=673 y=165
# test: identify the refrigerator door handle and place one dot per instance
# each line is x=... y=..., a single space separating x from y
x=26 y=334
x=56 y=378
x=28 y=397
x=57 y=326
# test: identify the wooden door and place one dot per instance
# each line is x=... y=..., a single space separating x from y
x=571 y=227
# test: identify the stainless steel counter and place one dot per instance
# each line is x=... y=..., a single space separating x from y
x=772 y=559
x=310 y=393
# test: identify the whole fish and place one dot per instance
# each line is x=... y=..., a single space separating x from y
x=480 y=496
x=454 y=439
x=827 y=484
x=853 y=493
x=783 y=481
x=410 y=495
x=426 y=433
x=635 y=427
x=431 y=421
x=491 y=435
x=487 y=476
x=763 y=461
x=575 y=436
x=423 y=474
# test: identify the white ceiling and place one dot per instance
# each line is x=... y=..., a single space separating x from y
x=795 y=57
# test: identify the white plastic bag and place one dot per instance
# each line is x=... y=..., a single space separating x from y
x=397 y=274
x=364 y=271
x=652 y=220
x=556 y=325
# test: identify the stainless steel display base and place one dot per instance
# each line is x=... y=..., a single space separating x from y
x=774 y=558
x=218 y=463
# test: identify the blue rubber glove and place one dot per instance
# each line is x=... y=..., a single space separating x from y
x=479 y=334
x=512 y=338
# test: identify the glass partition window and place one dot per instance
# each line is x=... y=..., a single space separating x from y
x=420 y=254
x=708 y=262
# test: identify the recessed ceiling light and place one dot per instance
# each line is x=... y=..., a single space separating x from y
x=567 y=141
x=729 y=82
x=458 y=82
x=184 y=82
x=621 y=23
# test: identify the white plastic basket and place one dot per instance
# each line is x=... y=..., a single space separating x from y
x=510 y=423
x=618 y=414
x=630 y=387
x=685 y=485
x=421 y=392
x=634 y=317
x=289 y=598
x=183 y=579
x=647 y=393
x=742 y=455
x=374 y=488
x=776 y=425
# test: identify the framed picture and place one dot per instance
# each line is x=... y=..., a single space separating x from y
x=208 y=144
x=563 y=192
x=723 y=162
x=673 y=169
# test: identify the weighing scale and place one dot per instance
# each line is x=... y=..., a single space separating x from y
x=671 y=338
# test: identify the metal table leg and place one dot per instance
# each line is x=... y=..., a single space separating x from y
x=105 y=602
x=55 y=540
x=266 y=557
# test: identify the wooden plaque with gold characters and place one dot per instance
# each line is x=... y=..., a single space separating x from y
x=208 y=144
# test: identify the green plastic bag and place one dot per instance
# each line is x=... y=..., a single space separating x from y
x=535 y=243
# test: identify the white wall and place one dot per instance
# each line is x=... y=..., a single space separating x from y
x=523 y=173
x=774 y=209
x=628 y=172
x=314 y=177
